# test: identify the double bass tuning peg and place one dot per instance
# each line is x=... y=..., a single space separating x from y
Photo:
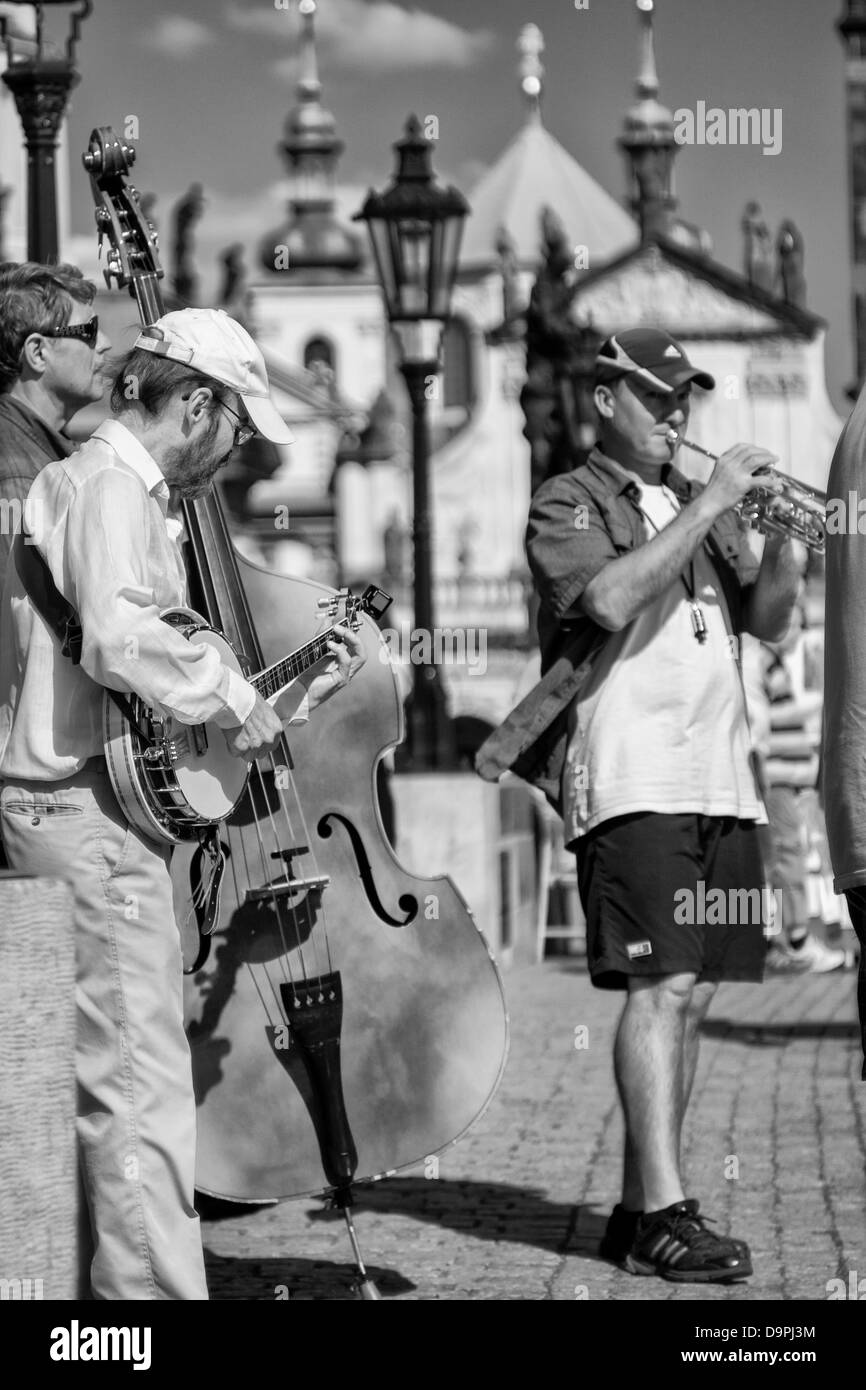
x=331 y=605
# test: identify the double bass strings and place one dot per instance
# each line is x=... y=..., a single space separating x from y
x=281 y=910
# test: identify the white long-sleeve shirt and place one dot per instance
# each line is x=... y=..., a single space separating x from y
x=101 y=521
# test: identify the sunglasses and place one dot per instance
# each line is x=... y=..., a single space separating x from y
x=88 y=332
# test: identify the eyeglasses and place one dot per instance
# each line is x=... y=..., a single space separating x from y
x=244 y=431
x=88 y=332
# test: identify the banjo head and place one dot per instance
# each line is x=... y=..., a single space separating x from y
x=201 y=783
x=210 y=778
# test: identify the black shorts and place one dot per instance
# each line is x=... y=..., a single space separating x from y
x=666 y=895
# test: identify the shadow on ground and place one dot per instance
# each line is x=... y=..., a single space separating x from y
x=488 y=1211
x=291 y=1280
x=777 y=1034
x=485 y=1210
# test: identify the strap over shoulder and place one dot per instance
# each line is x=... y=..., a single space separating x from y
x=45 y=596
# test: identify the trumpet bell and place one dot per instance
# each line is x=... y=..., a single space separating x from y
x=798 y=512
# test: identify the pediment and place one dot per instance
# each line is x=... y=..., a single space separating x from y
x=651 y=288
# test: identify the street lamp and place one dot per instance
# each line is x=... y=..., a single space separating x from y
x=415 y=228
x=41 y=85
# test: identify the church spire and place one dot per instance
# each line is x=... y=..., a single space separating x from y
x=315 y=238
x=530 y=46
x=648 y=78
x=309 y=87
x=648 y=140
x=311 y=142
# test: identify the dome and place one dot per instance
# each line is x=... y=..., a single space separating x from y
x=315 y=240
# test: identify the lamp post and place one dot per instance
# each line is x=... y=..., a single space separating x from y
x=41 y=85
x=415 y=229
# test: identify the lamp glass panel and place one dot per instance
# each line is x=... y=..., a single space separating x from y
x=414 y=236
x=451 y=238
x=383 y=249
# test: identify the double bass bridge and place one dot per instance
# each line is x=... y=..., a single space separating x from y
x=285 y=887
x=289 y=886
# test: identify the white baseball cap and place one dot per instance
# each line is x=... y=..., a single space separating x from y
x=208 y=341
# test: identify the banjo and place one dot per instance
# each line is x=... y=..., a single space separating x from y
x=173 y=781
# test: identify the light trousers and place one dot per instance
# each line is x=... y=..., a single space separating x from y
x=136 y=1108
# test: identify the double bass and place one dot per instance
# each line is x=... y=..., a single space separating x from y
x=350 y=1019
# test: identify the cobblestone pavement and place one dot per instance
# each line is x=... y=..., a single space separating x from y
x=774 y=1151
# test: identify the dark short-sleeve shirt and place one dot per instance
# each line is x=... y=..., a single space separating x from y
x=26 y=445
x=578 y=523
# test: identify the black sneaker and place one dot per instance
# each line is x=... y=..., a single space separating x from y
x=676 y=1244
x=619 y=1235
x=621 y=1232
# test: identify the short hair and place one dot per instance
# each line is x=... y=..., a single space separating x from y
x=152 y=380
x=34 y=299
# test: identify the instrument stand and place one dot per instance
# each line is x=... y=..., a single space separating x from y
x=365 y=1288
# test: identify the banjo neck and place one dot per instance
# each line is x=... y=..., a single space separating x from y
x=274 y=679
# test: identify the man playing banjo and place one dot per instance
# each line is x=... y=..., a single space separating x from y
x=193 y=388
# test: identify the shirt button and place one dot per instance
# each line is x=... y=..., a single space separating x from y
x=35 y=820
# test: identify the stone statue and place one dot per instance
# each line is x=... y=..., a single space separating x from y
x=186 y=213
x=507 y=253
x=560 y=361
x=789 y=247
x=232 y=262
x=757 y=249
x=653 y=204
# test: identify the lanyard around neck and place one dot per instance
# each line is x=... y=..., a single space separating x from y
x=699 y=625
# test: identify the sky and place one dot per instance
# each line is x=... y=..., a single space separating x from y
x=210 y=83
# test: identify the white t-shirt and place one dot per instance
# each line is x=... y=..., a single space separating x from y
x=661 y=723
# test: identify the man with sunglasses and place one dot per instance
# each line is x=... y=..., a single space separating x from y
x=638 y=733
x=52 y=364
x=106 y=524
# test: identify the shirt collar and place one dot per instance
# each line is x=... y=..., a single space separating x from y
x=133 y=453
x=619 y=481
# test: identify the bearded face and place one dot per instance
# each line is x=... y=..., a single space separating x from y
x=193 y=465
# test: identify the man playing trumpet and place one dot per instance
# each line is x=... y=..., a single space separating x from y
x=638 y=733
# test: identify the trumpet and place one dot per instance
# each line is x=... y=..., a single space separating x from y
x=798 y=511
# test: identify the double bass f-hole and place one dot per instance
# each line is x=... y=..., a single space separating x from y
x=408 y=903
